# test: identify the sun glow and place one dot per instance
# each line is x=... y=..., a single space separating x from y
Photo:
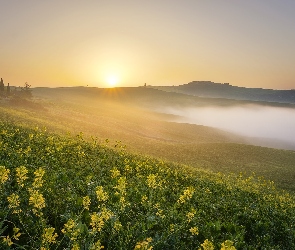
x=112 y=80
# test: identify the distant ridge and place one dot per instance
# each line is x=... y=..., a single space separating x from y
x=225 y=90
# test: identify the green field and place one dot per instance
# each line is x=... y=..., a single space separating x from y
x=59 y=192
x=85 y=168
x=127 y=115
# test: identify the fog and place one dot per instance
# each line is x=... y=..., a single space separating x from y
x=249 y=120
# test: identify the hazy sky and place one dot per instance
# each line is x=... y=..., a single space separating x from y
x=161 y=42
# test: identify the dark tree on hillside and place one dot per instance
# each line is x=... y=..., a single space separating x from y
x=8 y=89
x=1 y=85
x=26 y=91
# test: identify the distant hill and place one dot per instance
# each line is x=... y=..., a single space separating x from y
x=225 y=90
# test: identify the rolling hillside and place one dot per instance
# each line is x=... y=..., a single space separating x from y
x=127 y=115
x=218 y=90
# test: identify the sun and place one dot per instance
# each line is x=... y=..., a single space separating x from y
x=112 y=80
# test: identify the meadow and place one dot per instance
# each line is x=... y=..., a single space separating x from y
x=63 y=192
x=130 y=115
x=95 y=169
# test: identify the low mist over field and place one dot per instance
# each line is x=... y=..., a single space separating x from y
x=248 y=120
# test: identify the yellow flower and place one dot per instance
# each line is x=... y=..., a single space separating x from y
x=151 y=181
x=144 y=198
x=117 y=225
x=207 y=245
x=227 y=245
x=48 y=236
x=86 y=202
x=4 y=174
x=70 y=229
x=187 y=195
x=98 y=219
x=100 y=194
x=121 y=187
x=38 y=182
x=144 y=245
x=75 y=247
x=115 y=172
x=36 y=199
x=7 y=240
x=194 y=230
x=190 y=215
x=96 y=246
x=16 y=233
x=13 y=201
x=21 y=175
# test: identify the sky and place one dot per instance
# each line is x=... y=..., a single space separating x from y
x=103 y=43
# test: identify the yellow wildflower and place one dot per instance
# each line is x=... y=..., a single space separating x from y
x=75 y=246
x=115 y=172
x=151 y=181
x=187 y=195
x=16 y=233
x=207 y=245
x=96 y=246
x=36 y=199
x=7 y=240
x=13 y=201
x=38 y=182
x=227 y=245
x=117 y=225
x=3 y=174
x=194 y=230
x=21 y=175
x=86 y=202
x=190 y=215
x=48 y=236
x=144 y=199
x=144 y=245
x=121 y=187
x=98 y=219
x=100 y=194
x=71 y=230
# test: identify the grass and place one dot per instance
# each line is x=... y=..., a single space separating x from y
x=60 y=192
x=119 y=115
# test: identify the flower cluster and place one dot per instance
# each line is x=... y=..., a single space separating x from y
x=38 y=181
x=86 y=202
x=21 y=175
x=194 y=230
x=207 y=245
x=100 y=194
x=152 y=181
x=49 y=236
x=98 y=219
x=187 y=195
x=13 y=201
x=71 y=230
x=144 y=245
x=4 y=173
x=227 y=245
x=190 y=215
x=36 y=200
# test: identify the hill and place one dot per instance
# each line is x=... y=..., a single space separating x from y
x=62 y=192
x=218 y=90
x=127 y=116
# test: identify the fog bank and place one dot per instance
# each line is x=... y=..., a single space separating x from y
x=250 y=120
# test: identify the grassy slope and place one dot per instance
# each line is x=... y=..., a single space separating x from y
x=131 y=199
x=118 y=115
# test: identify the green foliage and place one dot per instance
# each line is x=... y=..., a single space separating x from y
x=59 y=192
